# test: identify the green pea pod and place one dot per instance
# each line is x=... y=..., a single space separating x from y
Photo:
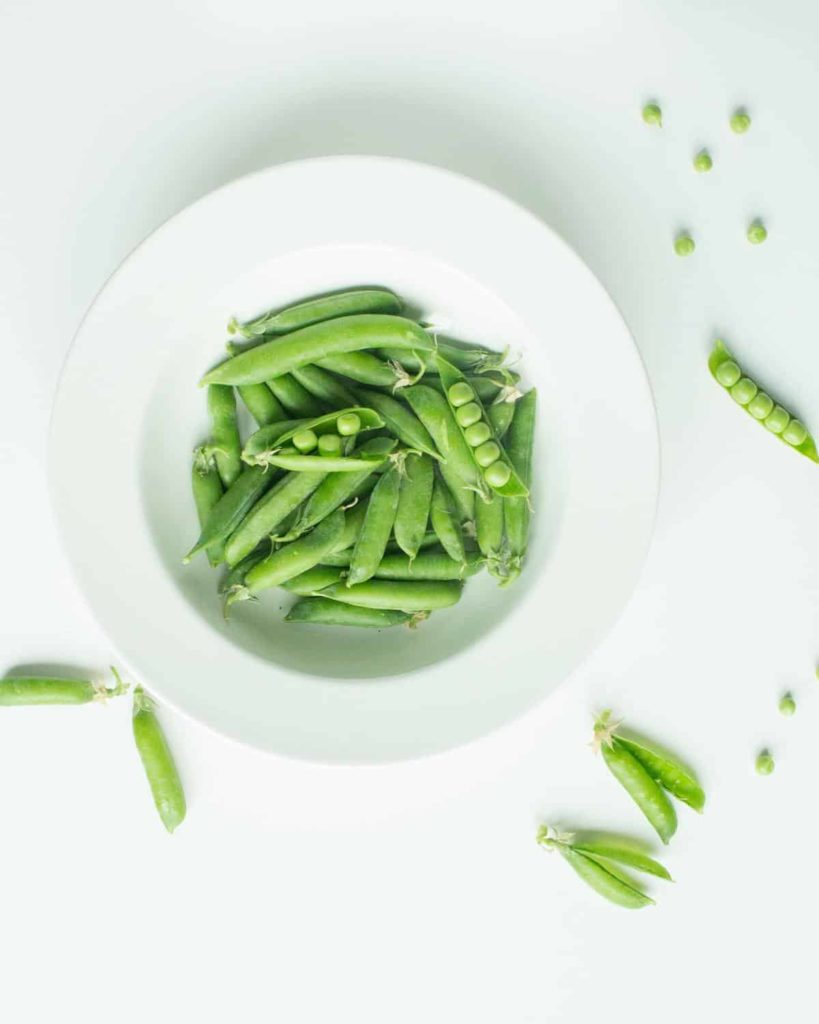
x=207 y=490
x=269 y=512
x=378 y=523
x=22 y=690
x=608 y=850
x=324 y=386
x=324 y=307
x=311 y=581
x=489 y=533
x=237 y=573
x=401 y=595
x=429 y=540
x=613 y=887
x=295 y=398
x=353 y=521
x=472 y=358
x=292 y=460
x=445 y=521
x=427 y=565
x=261 y=403
x=414 y=499
x=513 y=486
x=642 y=789
x=726 y=372
x=500 y=416
x=670 y=774
x=232 y=507
x=319 y=611
x=227 y=445
x=364 y=368
x=158 y=762
x=314 y=343
x=400 y=421
x=269 y=439
x=489 y=386
x=517 y=511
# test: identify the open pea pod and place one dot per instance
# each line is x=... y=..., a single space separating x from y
x=746 y=393
x=507 y=485
x=264 y=443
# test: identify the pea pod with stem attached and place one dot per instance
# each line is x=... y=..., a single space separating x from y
x=746 y=393
x=324 y=307
x=319 y=611
x=446 y=522
x=236 y=574
x=232 y=507
x=400 y=421
x=517 y=511
x=401 y=595
x=414 y=498
x=22 y=690
x=317 y=342
x=366 y=368
x=206 y=485
x=378 y=524
x=227 y=446
x=269 y=440
x=158 y=762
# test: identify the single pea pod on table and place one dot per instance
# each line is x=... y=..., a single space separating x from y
x=758 y=404
x=16 y=691
x=157 y=760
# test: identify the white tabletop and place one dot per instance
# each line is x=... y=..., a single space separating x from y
x=416 y=892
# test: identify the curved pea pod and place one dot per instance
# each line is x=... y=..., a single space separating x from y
x=427 y=565
x=619 y=853
x=158 y=762
x=227 y=446
x=294 y=397
x=489 y=533
x=353 y=521
x=364 y=368
x=267 y=440
x=16 y=691
x=206 y=485
x=324 y=386
x=400 y=421
x=323 y=307
x=401 y=595
x=517 y=511
x=670 y=774
x=261 y=403
x=319 y=611
x=726 y=372
x=501 y=413
x=314 y=343
x=414 y=498
x=375 y=532
x=513 y=486
x=311 y=581
x=470 y=358
x=608 y=884
x=293 y=461
x=445 y=522
x=232 y=507
x=236 y=574
x=429 y=540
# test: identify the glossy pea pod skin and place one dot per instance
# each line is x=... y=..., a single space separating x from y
x=206 y=485
x=311 y=581
x=261 y=403
x=227 y=445
x=312 y=344
x=670 y=774
x=323 y=307
x=324 y=386
x=400 y=421
x=427 y=565
x=269 y=439
x=363 y=367
x=294 y=397
x=746 y=393
x=378 y=524
x=236 y=574
x=489 y=533
x=446 y=522
x=520 y=443
x=644 y=791
x=400 y=595
x=414 y=499
x=158 y=762
x=319 y=611
x=232 y=507
x=17 y=691
x=500 y=416
x=603 y=881
x=293 y=461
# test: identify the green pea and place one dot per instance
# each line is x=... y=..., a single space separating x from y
x=728 y=373
x=777 y=420
x=684 y=245
x=477 y=434
x=740 y=122
x=158 y=762
x=305 y=440
x=468 y=414
x=760 y=405
x=348 y=424
x=743 y=391
x=653 y=115
x=764 y=763
x=787 y=705
x=329 y=444
x=703 y=161
x=497 y=474
x=460 y=394
x=795 y=432
x=486 y=454
x=757 y=233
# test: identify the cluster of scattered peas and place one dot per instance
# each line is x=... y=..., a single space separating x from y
x=703 y=162
x=765 y=763
x=388 y=464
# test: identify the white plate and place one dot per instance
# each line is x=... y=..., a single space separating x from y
x=128 y=413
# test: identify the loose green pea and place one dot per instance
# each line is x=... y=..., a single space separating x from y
x=743 y=391
x=684 y=245
x=757 y=232
x=477 y=434
x=460 y=394
x=468 y=414
x=497 y=474
x=487 y=454
x=740 y=122
x=777 y=420
x=653 y=115
x=728 y=373
x=795 y=432
x=764 y=763
x=760 y=405
x=348 y=424
x=329 y=444
x=305 y=440
x=787 y=705
x=703 y=161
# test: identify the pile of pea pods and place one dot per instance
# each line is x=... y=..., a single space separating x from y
x=388 y=465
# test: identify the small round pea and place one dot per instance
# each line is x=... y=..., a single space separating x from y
x=653 y=115
x=486 y=454
x=348 y=424
x=728 y=373
x=460 y=393
x=760 y=405
x=329 y=444
x=477 y=434
x=703 y=161
x=787 y=705
x=740 y=122
x=764 y=763
x=305 y=440
x=757 y=232
x=795 y=432
x=743 y=391
x=497 y=474
x=684 y=245
x=468 y=414
x=777 y=420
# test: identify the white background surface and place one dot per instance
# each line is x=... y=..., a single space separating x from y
x=416 y=892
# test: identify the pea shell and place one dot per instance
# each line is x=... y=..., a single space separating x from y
x=232 y=507
x=520 y=448
x=158 y=762
x=402 y=595
x=268 y=439
x=375 y=532
x=400 y=421
x=294 y=396
x=414 y=498
x=295 y=462
x=670 y=774
x=312 y=580
x=319 y=611
x=324 y=386
x=227 y=445
x=323 y=307
x=642 y=788
x=619 y=853
x=445 y=521
x=292 y=559
x=611 y=886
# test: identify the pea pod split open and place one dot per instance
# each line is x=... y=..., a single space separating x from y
x=268 y=440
